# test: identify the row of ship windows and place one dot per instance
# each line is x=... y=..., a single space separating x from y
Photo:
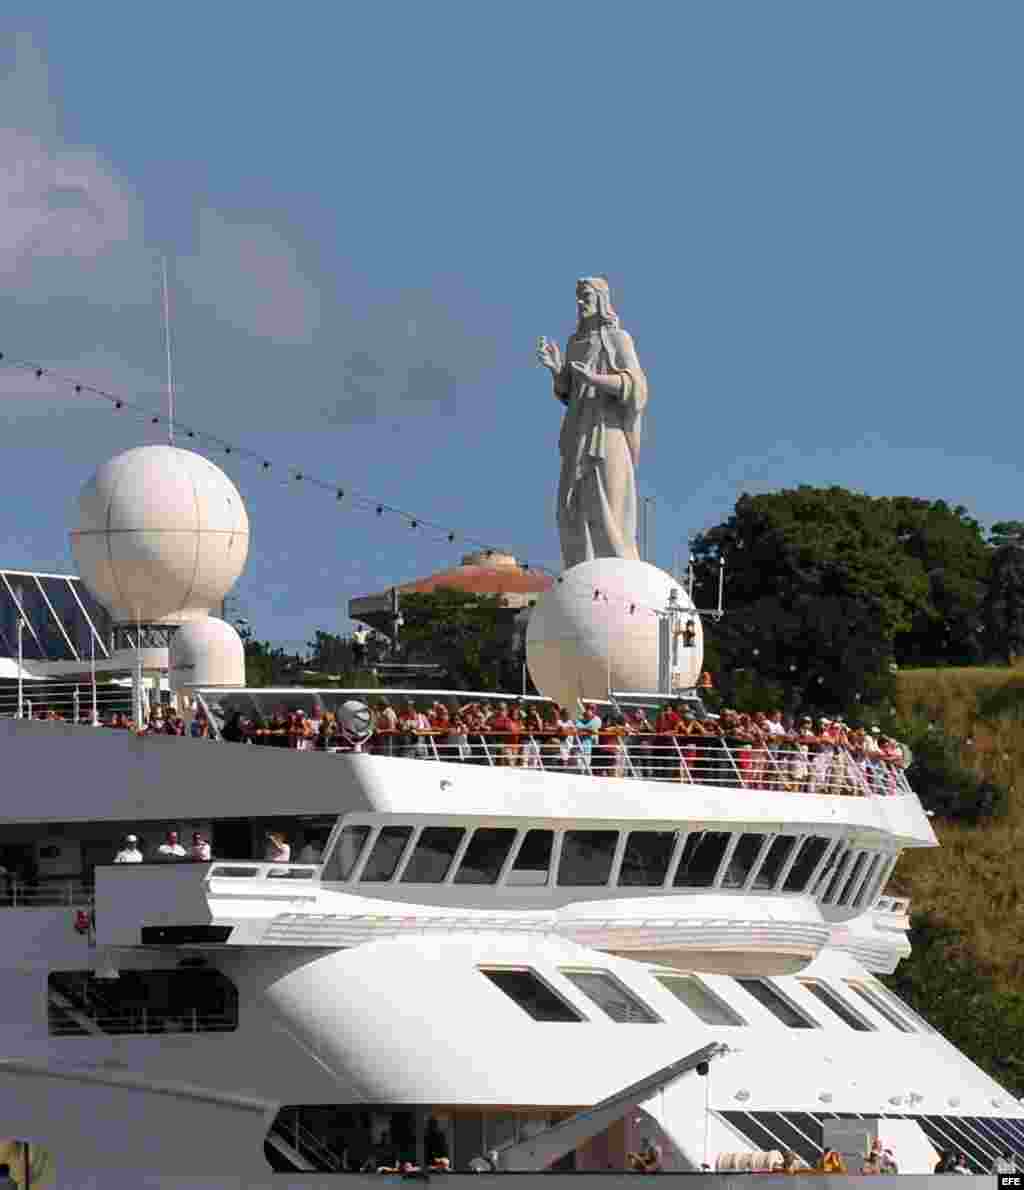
x=543 y=1002
x=203 y=1001
x=839 y=873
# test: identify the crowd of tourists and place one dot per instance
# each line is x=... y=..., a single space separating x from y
x=764 y=750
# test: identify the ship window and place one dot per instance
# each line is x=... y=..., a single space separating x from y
x=902 y=1008
x=533 y=859
x=777 y=1004
x=533 y=995
x=834 y=870
x=346 y=853
x=702 y=853
x=386 y=853
x=174 y=1000
x=743 y=858
x=851 y=880
x=838 y=1005
x=810 y=856
x=435 y=850
x=880 y=1006
x=858 y=877
x=774 y=861
x=487 y=851
x=612 y=997
x=867 y=890
x=646 y=858
x=587 y=857
x=700 y=1000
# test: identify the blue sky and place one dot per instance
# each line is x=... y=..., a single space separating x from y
x=809 y=214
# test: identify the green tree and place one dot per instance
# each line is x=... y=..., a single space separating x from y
x=1003 y=609
x=826 y=588
x=1006 y=533
x=267 y=665
x=473 y=637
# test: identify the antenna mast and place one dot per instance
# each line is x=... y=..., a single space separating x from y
x=167 y=341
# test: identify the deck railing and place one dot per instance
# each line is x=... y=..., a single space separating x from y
x=48 y=894
x=690 y=760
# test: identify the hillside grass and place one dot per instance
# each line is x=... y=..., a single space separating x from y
x=974 y=883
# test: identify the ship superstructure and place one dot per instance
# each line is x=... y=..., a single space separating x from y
x=475 y=954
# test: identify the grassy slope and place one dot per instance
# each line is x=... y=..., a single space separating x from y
x=974 y=882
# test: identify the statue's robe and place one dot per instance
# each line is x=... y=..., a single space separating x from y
x=600 y=446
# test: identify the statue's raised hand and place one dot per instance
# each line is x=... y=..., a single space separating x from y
x=549 y=355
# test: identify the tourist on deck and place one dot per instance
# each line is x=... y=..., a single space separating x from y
x=170 y=849
x=587 y=727
x=129 y=853
x=200 y=849
x=385 y=729
x=233 y=731
x=200 y=728
x=832 y=1162
x=278 y=850
x=1004 y=1163
x=647 y=1159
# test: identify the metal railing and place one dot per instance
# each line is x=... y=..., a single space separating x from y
x=17 y=894
x=306 y=1143
x=241 y=870
x=141 y=1023
x=690 y=760
x=788 y=766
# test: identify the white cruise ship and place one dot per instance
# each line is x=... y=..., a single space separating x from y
x=530 y=967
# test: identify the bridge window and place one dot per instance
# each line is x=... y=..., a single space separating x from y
x=700 y=1000
x=533 y=858
x=343 y=860
x=612 y=997
x=806 y=863
x=838 y=1005
x=852 y=886
x=778 y=1005
x=702 y=854
x=486 y=854
x=646 y=858
x=774 y=861
x=743 y=858
x=880 y=1006
x=435 y=850
x=174 y=1000
x=535 y=997
x=587 y=857
x=387 y=851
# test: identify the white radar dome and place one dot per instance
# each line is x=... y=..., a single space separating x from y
x=206 y=652
x=162 y=535
x=599 y=627
x=355 y=719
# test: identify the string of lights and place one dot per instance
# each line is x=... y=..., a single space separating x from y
x=428 y=528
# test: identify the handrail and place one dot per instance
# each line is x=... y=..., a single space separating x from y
x=16 y=894
x=145 y=1023
x=788 y=764
x=294 y=1133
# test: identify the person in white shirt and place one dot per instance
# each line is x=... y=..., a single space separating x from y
x=278 y=851
x=1004 y=1163
x=200 y=848
x=129 y=853
x=170 y=848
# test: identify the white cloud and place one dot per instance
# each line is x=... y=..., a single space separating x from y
x=63 y=210
x=250 y=276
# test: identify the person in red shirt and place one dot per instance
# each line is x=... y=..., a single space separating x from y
x=665 y=761
x=502 y=727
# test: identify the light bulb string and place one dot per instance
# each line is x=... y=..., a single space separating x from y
x=431 y=530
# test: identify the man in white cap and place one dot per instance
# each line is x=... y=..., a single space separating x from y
x=129 y=853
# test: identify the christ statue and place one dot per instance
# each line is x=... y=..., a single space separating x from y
x=604 y=391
